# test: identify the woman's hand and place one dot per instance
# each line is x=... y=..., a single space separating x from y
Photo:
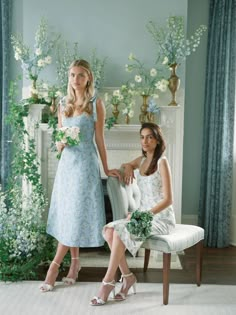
x=128 y=175
x=60 y=146
x=113 y=172
x=128 y=216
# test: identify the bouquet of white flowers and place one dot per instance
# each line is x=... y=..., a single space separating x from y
x=140 y=224
x=69 y=136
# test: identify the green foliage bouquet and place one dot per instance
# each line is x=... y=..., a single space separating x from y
x=140 y=224
x=173 y=46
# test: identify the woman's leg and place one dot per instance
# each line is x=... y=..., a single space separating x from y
x=74 y=266
x=53 y=269
x=124 y=268
x=117 y=251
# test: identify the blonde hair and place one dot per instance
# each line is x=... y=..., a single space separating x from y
x=88 y=94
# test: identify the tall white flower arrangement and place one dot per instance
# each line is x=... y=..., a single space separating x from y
x=34 y=61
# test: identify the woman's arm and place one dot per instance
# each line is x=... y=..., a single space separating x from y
x=129 y=168
x=166 y=185
x=59 y=145
x=99 y=138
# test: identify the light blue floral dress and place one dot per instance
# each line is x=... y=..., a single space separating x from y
x=77 y=213
x=151 y=193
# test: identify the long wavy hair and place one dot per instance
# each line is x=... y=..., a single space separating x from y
x=160 y=147
x=88 y=93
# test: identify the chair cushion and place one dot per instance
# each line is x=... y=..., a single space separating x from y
x=183 y=236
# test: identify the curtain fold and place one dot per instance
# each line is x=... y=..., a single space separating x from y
x=5 y=18
x=217 y=151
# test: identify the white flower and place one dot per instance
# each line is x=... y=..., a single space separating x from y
x=131 y=113
x=131 y=56
x=162 y=85
x=116 y=93
x=38 y=51
x=58 y=94
x=41 y=63
x=48 y=60
x=138 y=78
x=165 y=61
x=17 y=56
x=153 y=72
x=45 y=86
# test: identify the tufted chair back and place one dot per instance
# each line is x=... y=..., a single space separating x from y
x=124 y=198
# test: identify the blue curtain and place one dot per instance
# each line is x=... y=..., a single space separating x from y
x=5 y=18
x=217 y=153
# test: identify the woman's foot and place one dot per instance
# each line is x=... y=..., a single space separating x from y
x=128 y=281
x=73 y=271
x=103 y=293
x=50 y=280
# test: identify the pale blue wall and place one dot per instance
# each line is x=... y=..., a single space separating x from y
x=116 y=28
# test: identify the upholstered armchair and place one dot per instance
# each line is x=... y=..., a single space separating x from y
x=124 y=199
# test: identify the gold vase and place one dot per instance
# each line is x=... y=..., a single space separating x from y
x=115 y=112
x=127 y=119
x=34 y=95
x=53 y=107
x=143 y=109
x=174 y=83
x=150 y=117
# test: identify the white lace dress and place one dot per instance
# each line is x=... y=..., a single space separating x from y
x=151 y=193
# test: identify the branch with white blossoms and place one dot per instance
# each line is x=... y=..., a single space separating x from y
x=33 y=62
x=115 y=98
x=50 y=92
x=171 y=41
x=146 y=81
x=66 y=54
x=97 y=66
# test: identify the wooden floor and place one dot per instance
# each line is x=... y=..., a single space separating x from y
x=219 y=267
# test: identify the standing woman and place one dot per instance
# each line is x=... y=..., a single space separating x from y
x=77 y=215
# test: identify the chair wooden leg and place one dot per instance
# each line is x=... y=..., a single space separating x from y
x=199 y=250
x=166 y=271
x=146 y=259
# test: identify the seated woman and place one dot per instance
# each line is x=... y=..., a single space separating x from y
x=154 y=181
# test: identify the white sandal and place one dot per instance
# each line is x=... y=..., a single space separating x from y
x=133 y=286
x=100 y=301
x=46 y=287
x=71 y=281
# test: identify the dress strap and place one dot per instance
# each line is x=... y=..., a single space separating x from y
x=142 y=160
x=93 y=100
x=161 y=158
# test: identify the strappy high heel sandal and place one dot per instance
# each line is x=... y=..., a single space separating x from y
x=122 y=296
x=46 y=287
x=71 y=281
x=98 y=300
